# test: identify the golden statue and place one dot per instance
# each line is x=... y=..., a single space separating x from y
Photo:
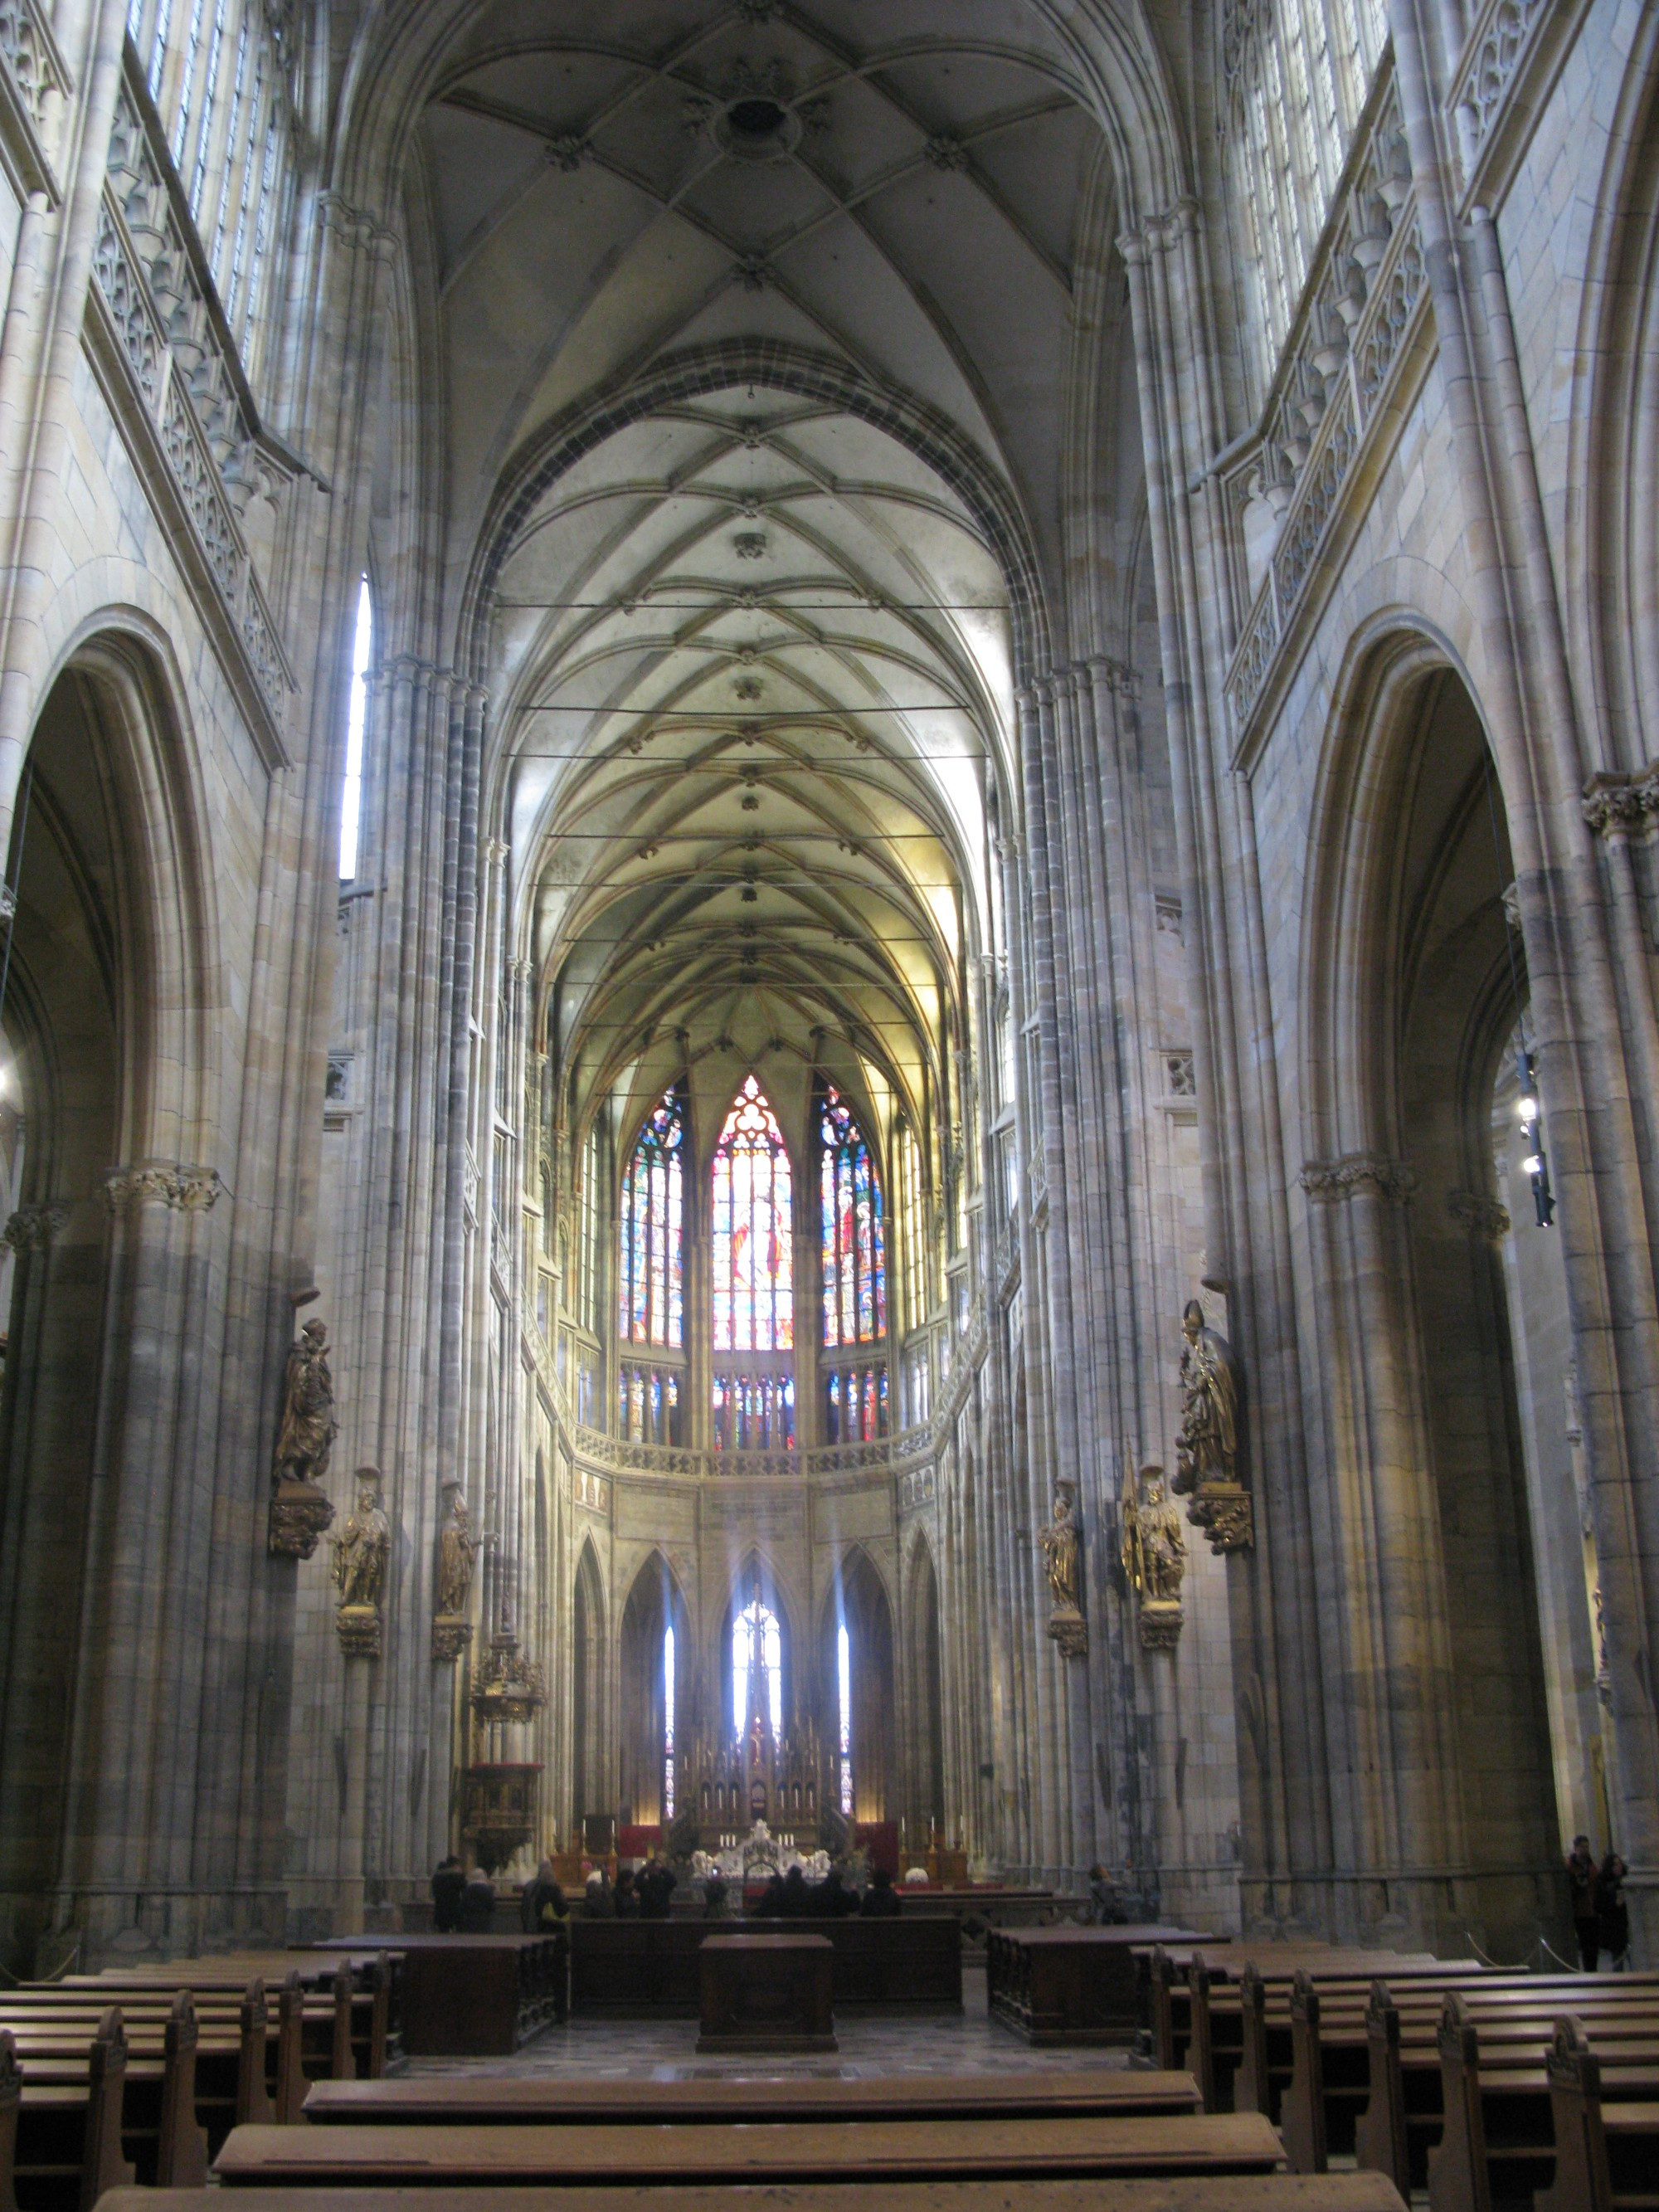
x=360 y=1558
x=1061 y=1560
x=458 y=1548
x=299 y=1510
x=1154 y=1555
x=1206 y=1449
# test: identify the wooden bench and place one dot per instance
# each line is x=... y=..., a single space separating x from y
x=1607 y=2154
x=1288 y=2192
x=643 y=1969
x=866 y=2151
x=1054 y=1985
x=1406 y=2110
x=1497 y=2139
x=1162 y=1971
x=1096 y=2091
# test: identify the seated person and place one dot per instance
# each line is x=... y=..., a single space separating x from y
x=628 y=1895
x=832 y=1899
x=714 y=1894
x=542 y=1905
x=477 y=1904
x=771 y=1905
x=881 y=1900
x=597 y=1900
x=796 y=1900
x=655 y=1885
x=448 y=1888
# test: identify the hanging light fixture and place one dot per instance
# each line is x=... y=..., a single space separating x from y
x=1535 y=1165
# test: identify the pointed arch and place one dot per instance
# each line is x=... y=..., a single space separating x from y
x=757 y=1584
x=654 y=1708
x=588 y=1788
x=923 y=1688
x=856 y=1678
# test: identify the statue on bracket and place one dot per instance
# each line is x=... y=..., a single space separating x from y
x=1062 y=1561
x=360 y=1558
x=1208 y=1466
x=1154 y=1555
x=457 y=1548
x=300 y=1511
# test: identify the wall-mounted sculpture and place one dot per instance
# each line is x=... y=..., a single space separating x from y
x=457 y=1548
x=359 y=1558
x=300 y=1512
x=1154 y=1555
x=1208 y=1470
x=1062 y=1561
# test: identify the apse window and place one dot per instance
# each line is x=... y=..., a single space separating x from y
x=352 y=798
x=844 y=1688
x=757 y=1669
x=668 y=1723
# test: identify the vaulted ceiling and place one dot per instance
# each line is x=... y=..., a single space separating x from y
x=752 y=648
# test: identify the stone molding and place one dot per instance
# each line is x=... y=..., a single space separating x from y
x=1618 y=806
x=167 y=1183
x=1372 y=1175
x=1483 y=1217
x=32 y=1228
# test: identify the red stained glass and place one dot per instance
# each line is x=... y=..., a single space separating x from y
x=652 y=1258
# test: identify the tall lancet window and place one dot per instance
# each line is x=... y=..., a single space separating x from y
x=854 y=1263
x=653 y=1229
x=351 y=801
x=753 y=1224
x=668 y=1722
x=757 y=1668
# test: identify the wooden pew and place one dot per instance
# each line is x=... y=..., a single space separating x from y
x=1335 y=2192
x=1166 y=1969
x=579 y=2102
x=867 y=2151
x=1604 y=2153
x=1497 y=2141
x=1415 y=2067
x=1055 y=1985
x=65 y=2144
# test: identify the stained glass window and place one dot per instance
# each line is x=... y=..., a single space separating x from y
x=754 y=1413
x=855 y=1405
x=668 y=1723
x=854 y=1268
x=756 y=1667
x=652 y=1309
x=753 y=1220
x=844 y=1690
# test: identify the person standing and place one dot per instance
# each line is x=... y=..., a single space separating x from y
x=1612 y=1913
x=477 y=1903
x=541 y=1906
x=1581 y=1878
x=448 y=1886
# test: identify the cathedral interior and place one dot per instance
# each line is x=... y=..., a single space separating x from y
x=829 y=954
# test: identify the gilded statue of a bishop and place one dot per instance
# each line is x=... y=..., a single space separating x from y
x=306 y=1438
x=1207 y=1464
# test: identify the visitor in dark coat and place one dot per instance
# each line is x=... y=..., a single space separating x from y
x=628 y=1895
x=542 y=1905
x=1582 y=1874
x=448 y=1888
x=714 y=1897
x=1612 y=1913
x=832 y=1899
x=477 y=1904
x=771 y=1905
x=797 y=1903
x=656 y=1885
x=881 y=1900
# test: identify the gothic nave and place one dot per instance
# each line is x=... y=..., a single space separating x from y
x=830 y=953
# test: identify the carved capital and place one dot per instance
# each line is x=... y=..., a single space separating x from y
x=1481 y=1217
x=1620 y=807
x=162 y=1182
x=32 y=1228
x=1372 y=1175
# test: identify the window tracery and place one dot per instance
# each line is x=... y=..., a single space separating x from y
x=854 y=1261
x=757 y=1668
x=651 y=1288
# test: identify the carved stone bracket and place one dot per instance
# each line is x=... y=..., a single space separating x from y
x=1372 y=1175
x=300 y=1517
x=451 y=1636
x=359 y=1627
x=1481 y=1217
x=32 y=1228
x=1070 y=1630
x=1226 y=1513
x=1160 y=1624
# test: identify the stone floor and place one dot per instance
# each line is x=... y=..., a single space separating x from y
x=665 y=2051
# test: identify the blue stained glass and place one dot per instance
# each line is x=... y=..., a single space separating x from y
x=652 y=1229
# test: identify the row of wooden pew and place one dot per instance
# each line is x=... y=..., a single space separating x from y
x=1490 y=2089
x=145 y=2072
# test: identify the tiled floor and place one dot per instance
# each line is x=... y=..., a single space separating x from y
x=665 y=2051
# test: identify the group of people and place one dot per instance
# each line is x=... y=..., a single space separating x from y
x=465 y=1904
x=1600 y=1918
x=642 y=1896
